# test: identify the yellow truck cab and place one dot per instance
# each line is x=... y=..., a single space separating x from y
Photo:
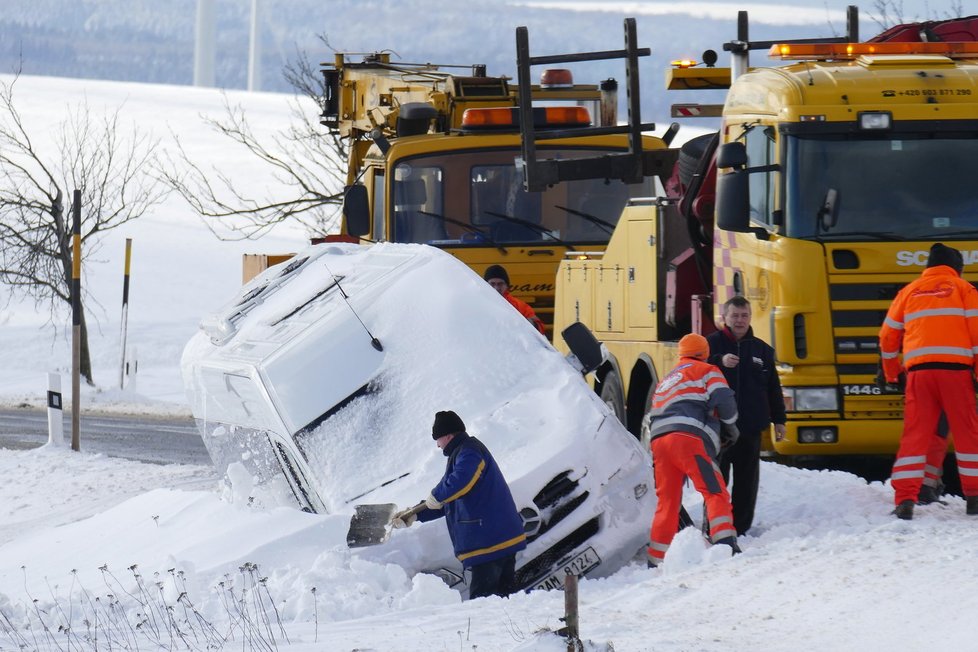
x=433 y=159
x=839 y=172
x=818 y=199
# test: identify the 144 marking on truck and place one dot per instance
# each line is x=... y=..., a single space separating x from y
x=857 y=390
x=919 y=258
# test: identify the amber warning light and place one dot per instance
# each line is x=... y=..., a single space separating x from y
x=506 y=117
x=853 y=50
x=556 y=78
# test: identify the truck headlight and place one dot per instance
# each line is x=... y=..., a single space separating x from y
x=810 y=399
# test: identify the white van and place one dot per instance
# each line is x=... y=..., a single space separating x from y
x=324 y=374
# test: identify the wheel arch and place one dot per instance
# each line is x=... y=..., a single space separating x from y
x=641 y=384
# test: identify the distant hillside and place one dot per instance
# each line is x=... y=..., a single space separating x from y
x=152 y=40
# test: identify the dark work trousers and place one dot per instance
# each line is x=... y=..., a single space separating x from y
x=492 y=578
x=744 y=458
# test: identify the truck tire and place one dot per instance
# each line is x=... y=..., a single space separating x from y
x=644 y=432
x=691 y=156
x=613 y=395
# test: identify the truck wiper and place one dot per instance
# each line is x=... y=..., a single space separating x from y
x=969 y=233
x=542 y=230
x=468 y=227
x=876 y=235
x=608 y=227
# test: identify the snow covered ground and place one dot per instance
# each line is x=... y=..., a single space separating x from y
x=102 y=553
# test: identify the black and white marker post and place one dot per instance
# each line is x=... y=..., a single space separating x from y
x=76 y=323
x=56 y=424
x=125 y=313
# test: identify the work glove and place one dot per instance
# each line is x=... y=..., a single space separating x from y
x=889 y=388
x=431 y=502
x=404 y=518
x=729 y=434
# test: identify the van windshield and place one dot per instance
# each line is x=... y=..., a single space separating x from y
x=904 y=186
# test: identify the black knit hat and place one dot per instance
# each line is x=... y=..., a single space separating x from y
x=496 y=271
x=446 y=423
x=941 y=254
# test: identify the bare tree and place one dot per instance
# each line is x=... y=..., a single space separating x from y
x=304 y=157
x=89 y=153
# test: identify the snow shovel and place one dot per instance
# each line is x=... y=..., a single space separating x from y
x=371 y=524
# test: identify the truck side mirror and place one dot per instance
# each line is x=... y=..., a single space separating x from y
x=732 y=155
x=586 y=353
x=733 y=190
x=356 y=210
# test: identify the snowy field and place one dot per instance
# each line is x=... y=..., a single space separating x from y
x=102 y=553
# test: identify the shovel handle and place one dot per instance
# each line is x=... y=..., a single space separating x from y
x=417 y=509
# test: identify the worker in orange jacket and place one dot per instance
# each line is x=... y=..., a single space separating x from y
x=498 y=279
x=934 y=321
x=688 y=408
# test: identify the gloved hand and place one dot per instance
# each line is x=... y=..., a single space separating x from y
x=431 y=502
x=404 y=518
x=887 y=387
x=901 y=382
x=729 y=434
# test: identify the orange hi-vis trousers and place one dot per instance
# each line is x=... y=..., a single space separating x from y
x=928 y=392
x=677 y=456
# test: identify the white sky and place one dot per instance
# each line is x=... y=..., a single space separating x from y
x=825 y=567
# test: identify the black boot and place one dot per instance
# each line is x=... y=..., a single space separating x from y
x=904 y=510
x=927 y=495
x=971 y=505
x=729 y=541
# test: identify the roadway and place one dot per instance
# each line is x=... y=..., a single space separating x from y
x=145 y=438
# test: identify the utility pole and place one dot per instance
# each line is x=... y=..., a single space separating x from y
x=204 y=47
x=125 y=313
x=76 y=323
x=254 y=49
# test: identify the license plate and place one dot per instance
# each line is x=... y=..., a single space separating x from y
x=577 y=565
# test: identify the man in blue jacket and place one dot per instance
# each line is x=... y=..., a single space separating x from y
x=748 y=365
x=483 y=523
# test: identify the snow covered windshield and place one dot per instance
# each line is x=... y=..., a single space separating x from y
x=477 y=197
x=906 y=186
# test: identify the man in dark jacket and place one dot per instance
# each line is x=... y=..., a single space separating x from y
x=748 y=365
x=483 y=523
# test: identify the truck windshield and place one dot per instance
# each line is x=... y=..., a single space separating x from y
x=906 y=186
x=477 y=198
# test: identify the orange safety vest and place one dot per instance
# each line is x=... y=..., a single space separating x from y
x=933 y=319
x=524 y=309
x=694 y=397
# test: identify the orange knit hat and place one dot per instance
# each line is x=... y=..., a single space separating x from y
x=694 y=345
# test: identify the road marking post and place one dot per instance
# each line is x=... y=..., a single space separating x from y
x=56 y=425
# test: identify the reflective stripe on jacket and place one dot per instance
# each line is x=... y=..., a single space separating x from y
x=934 y=319
x=694 y=397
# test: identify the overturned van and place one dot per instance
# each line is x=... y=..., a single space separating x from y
x=324 y=374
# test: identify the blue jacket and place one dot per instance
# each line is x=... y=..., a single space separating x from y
x=754 y=380
x=477 y=505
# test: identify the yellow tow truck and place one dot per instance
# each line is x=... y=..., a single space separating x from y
x=434 y=159
x=818 y=198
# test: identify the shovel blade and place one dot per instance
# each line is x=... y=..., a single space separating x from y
x=370 y=525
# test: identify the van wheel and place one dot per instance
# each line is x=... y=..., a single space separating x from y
x=613 y=396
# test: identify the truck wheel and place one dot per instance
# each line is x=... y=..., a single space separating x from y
x=612 y=395
x=645 y=435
